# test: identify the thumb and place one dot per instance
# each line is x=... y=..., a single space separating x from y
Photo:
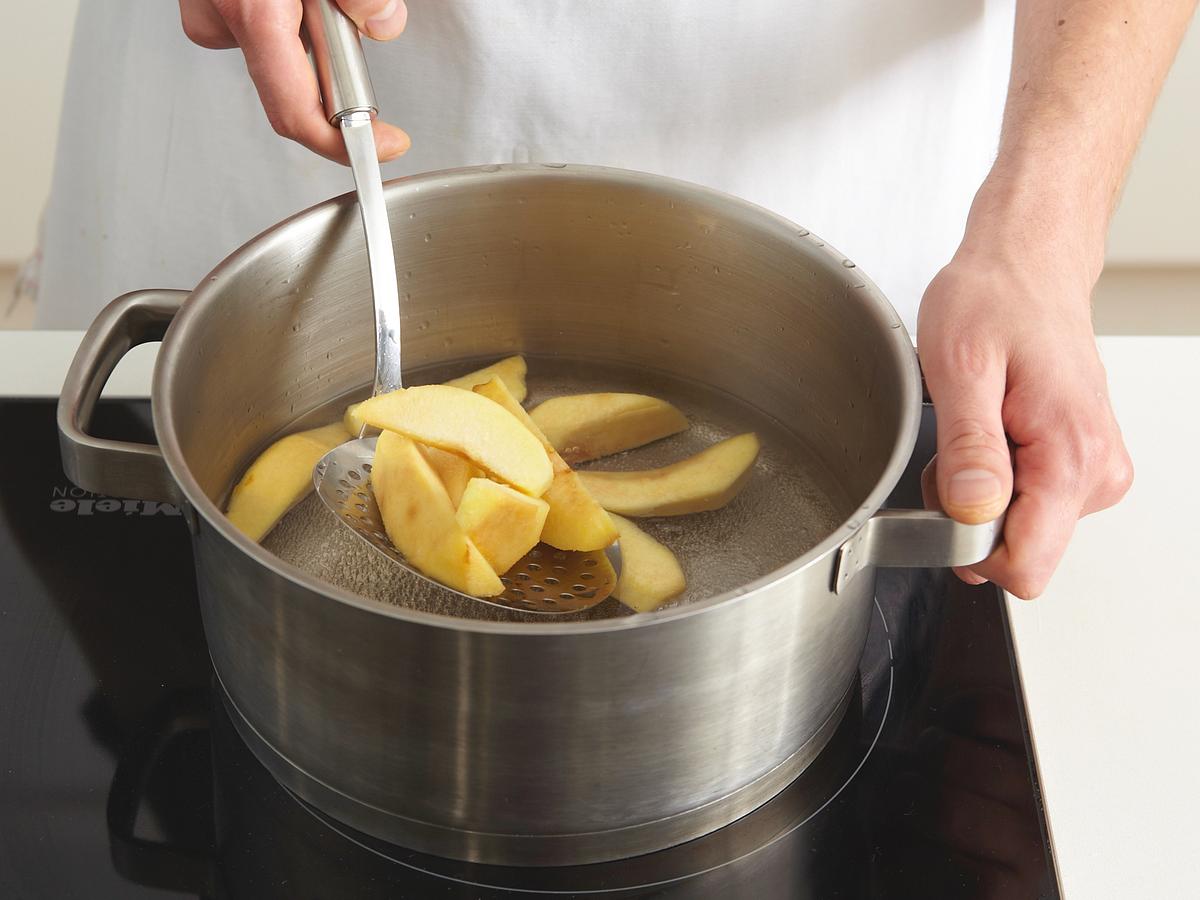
x=378 y=19
x=974 y=471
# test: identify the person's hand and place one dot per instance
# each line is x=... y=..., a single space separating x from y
x=268 y=33
x=1006 y=344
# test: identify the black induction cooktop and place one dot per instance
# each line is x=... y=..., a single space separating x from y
x=122 y=777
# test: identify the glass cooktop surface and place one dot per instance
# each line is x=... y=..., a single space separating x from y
x=122 y=777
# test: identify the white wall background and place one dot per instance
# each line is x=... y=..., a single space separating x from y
x=1158 y=223
x=34 y=44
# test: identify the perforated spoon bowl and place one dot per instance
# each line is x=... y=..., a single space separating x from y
x=545 y=580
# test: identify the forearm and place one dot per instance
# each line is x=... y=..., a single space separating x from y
x=1085 y=74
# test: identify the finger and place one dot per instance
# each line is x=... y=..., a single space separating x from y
x=269 y=35
x=1039 y=523
x=966 y=575
x=204 y=26
x=390 y=141
x=1114 y=477
x=974 y=473
x=380 y=20
x=287 y=87
x=930 y=496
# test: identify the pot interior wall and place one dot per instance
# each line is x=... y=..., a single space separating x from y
x=582 y=264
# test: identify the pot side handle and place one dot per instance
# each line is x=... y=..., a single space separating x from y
x=914 y=538
x=100 y=465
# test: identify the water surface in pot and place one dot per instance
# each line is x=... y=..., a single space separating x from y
x=790 y=504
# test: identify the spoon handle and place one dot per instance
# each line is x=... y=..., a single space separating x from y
x=338 y=58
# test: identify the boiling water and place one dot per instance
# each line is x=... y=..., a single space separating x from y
x=788 y=505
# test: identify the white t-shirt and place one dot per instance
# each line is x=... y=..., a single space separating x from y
x=870 y=122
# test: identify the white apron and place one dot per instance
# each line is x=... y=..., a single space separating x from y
x=870 y=122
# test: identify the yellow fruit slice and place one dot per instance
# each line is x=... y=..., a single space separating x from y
x=511 y=371
x=587 y=426
x=708 y=480
x=650 y=573
x=465 y=423
x=575 y=521
x=420 y=519
x=504 y=524
x=454 y=471
x=280 y=478
x=351 y=421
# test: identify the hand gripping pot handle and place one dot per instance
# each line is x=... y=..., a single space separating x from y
x=100 y=465
x=914 y=538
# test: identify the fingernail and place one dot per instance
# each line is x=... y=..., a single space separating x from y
x=377 y=25
x=974 y=488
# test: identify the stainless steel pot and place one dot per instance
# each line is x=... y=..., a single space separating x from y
x=546 y=743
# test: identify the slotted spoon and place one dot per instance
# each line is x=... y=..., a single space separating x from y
x=545 y=580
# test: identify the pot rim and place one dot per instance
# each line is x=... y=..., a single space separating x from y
x=805 y=241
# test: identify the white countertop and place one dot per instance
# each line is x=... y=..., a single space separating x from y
x=1105 y=655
